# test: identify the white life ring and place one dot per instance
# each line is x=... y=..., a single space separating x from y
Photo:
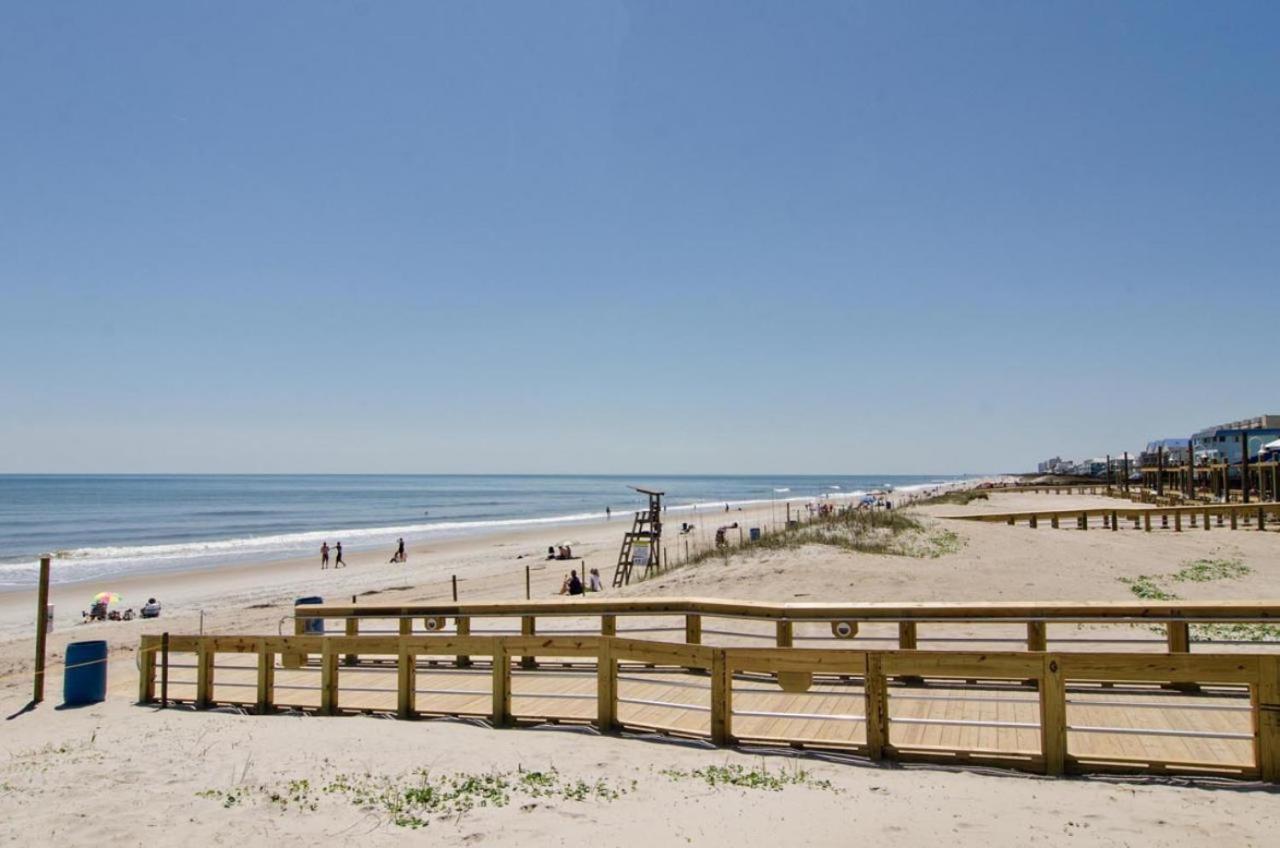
x=433 y=623
x=844 y=629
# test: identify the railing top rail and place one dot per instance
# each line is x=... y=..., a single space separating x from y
x=1072 y=611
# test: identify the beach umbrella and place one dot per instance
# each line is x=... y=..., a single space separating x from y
x=107 y=598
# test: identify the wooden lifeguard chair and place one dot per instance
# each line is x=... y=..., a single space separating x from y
x=642 y=545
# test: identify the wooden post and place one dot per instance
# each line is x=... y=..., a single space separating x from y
x=406 y=625
x=1115 y=525
x=1206 y=518
x=1084 y=521
x=693 y=629
x=204 y=675
x=606 y=688
x=1037 y=636
x=501 y=715
x=608 y=625
x=1053 y=521
x=454 y=579
x=266 y=679
x=42 y=628
x=527 y=590
x=1160 y=471
x=353 y=629
x=406 y=683
x=1032 y=522
x=1266 y=718
x=877 y=707
x=1244 y=466
x=1178 y=634
x=784 y=634
x=147 y=672
x=164 y=669
x=1235 y=519
x=1262 y=519
x=722 y=699
x=1126 y=472
x=907 y=635
x=1053 y=717
x=328 y=679
x=1177 y=522
x=528 y=627
x=463 y=625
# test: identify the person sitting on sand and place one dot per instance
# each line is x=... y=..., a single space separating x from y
x=593 y=581
x=551 y=551
x=98 y=612
x=575 y=585
x=151 y=609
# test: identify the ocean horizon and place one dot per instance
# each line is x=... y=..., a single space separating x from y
x=106 y=525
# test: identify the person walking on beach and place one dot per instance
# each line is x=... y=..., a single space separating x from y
x=324 y=555
x=608 y=513
x=399 y=556
x=337 y=560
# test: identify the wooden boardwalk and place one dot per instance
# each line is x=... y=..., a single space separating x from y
x=998 y=720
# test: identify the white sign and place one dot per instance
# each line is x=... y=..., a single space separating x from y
x=640 y=553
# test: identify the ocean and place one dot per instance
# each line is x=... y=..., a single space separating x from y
x=100 y=526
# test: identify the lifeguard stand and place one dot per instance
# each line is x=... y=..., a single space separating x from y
x=643 y=544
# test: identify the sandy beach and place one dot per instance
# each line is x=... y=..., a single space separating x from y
x=100 y=758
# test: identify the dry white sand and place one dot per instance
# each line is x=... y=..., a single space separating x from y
x=129 y=775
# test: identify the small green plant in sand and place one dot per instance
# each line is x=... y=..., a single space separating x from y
x=886 y=532
x=1206 y=570
x=759 y=777
x=1146 y=587
x=415 y=799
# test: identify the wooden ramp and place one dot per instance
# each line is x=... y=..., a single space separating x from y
x=1142 y=726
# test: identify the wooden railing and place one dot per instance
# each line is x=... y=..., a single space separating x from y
x=787 y=624
x=869 y=681
x=1253 y=516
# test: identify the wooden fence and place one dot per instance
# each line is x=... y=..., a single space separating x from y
x=1250 y=516
x=749 y=695
x=696 y=619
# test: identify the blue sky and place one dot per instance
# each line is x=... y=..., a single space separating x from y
x=631 y=237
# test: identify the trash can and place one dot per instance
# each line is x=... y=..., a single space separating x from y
x=85 y=678
x=310 y=626
x=754 y=533
x=303 y=627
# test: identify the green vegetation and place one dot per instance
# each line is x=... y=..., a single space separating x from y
x=1240 y=632
x=759 y=777
x=414 y=800
x=889 y=532
x=1206 y=570
x=958 y=498
x=1145 y=586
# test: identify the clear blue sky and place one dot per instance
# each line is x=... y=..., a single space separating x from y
x=631 y=237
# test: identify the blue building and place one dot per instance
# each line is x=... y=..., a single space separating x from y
x=1222 y=443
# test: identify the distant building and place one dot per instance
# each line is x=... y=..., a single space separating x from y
x=1175 y=452
x=1222 y=442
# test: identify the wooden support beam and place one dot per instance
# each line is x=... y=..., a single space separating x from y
x=266 y=679
x=406 y=683
x=42 y=630
x=204 y=675
x=1178 y=635
x=463 y=625
x=1177 y=522
x=1115 y=523
x=784 y=634
x=877 y=707
x=352 y=629
x=1037 y=636
x=528 y=627
x=1266 y=718
x=907 y=635
x=721 y=700
x=608 y=625
x=1234 y=520
x=693 y=629
x=1053 y=717
x=606 y=688
x=501 y=713
x=1032 y=521
x=328 y=679
x=406 y=626
x=1053 y=522
x=147 y=669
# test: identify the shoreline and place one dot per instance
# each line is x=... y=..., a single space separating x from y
x=368 y=539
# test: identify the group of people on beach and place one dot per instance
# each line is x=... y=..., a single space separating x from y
x=559 y=552
x=339 y=562
x=100 y=612
x=573 y=585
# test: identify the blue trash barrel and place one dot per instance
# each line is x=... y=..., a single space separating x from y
x=310 y=626
x=85 y=678
x=755 y=534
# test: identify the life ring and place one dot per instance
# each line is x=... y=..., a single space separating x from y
x=433 y=623
x=844 y=629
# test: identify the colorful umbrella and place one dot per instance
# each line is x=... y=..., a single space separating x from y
x=107 y=598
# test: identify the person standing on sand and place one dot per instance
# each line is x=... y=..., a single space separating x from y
x=324 y=555
x=608 y=513
x=337 y=560
x=399 y=556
